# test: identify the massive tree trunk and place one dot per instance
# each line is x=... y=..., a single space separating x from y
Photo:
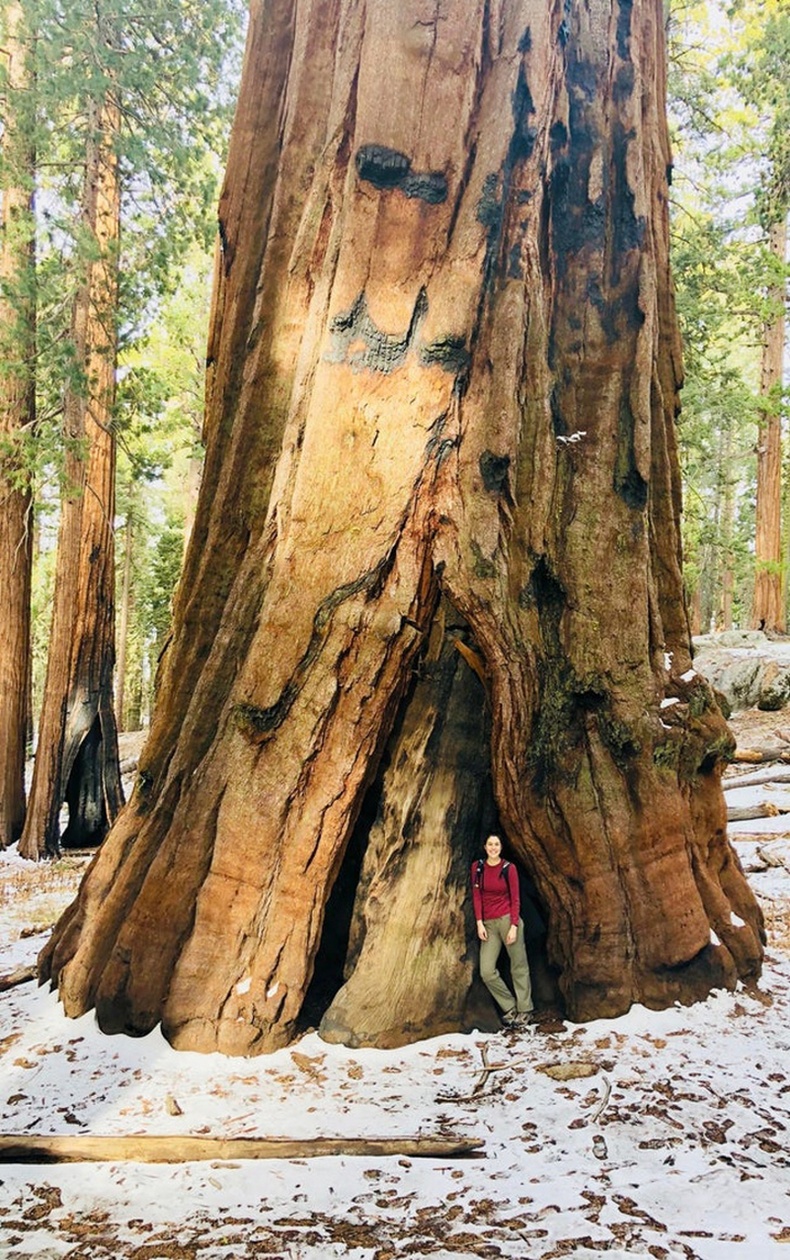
x=17 y=415
x=768 y=609
x=77 y=755
x=444 y=371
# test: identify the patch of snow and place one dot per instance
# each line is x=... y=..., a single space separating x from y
x=244 y=985
x=671 y=1141
x=668 y=701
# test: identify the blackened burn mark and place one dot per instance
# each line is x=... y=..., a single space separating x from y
x=628 y=481
x=522 y=141
x=628 y=228
x=359 y=342
x=494 y=471
x=449 y=353
x=624 y=28
x=558 y=136
x=558 y=422
x=623 y=84
x=387 y=169
x=525 y=43
x=496 y=186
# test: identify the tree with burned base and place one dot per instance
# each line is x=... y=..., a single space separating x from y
x=444 y=372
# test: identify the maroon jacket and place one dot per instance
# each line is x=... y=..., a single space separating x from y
x=494 y=895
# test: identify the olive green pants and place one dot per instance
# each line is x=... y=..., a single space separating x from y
x=490 y=950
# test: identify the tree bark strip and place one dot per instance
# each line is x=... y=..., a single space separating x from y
x=149 y=1149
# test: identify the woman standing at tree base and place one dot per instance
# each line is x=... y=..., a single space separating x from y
x=496 y=899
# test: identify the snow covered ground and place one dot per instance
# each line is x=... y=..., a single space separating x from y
x=658 y=1134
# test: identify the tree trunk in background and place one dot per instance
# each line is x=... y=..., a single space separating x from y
x=123 y=624
x=77 y=754
x=444 y=367
x=726 y=532
x=17 y=416
x=768 y=610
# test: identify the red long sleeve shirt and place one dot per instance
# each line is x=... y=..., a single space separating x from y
x=494 y=895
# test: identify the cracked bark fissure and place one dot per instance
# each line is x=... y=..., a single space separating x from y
x=472 y=398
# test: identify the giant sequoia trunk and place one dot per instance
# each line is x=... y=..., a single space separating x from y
x=77 y=755
x=439 y=516
x=17 y=416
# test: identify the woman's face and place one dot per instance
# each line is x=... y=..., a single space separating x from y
x=493 y=848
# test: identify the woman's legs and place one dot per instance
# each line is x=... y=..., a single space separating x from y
x=519 y=971
x=497 y=930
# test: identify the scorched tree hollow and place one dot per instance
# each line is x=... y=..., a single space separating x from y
x=434 y=577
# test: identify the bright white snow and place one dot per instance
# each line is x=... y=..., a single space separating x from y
x=658 y=1134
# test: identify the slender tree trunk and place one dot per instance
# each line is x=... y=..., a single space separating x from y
x=17 y=416
x=123 y=625
x=727 y=522
x=77 y=755
x=768 y=610
x=444 y=366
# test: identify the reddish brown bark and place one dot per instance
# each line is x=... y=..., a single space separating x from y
x=17 y=417
x=768 y=608
x=77 y=754
x=444 y=362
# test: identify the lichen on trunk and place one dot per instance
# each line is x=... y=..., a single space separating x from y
x=444 y=378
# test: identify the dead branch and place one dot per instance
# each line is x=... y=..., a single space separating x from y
x=481 y=1080
x=752 y=780
x=607 y=1093
x=20 y=976
x=161 y=1149
x=765 y=809
x=756 y=755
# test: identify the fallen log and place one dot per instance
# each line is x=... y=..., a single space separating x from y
x=756 y=755
x=752 y=780
x=178 y=1149
x=743 y=813
x=13 y=978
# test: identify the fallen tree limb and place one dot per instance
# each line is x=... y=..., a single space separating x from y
x=13 y=978
x=752 y=780
x=757 y=755
x=148 y=1149
x=743 y=813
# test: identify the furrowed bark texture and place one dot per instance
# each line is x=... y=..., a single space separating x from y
x=77 y=755
x=17 y=417
x=444 y=370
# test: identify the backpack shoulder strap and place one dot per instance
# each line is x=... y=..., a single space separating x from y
x=505 y=868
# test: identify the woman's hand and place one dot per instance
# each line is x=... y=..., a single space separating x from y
x=512 y=933
x=482 y=934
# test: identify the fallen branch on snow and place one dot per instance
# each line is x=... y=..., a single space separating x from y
x=13 y=978
x=757 y=755
x=743 y=813
x=148 y=1149
x=753 y=780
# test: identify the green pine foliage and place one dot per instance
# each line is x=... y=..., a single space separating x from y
x=173 y=68
x=729 y=94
